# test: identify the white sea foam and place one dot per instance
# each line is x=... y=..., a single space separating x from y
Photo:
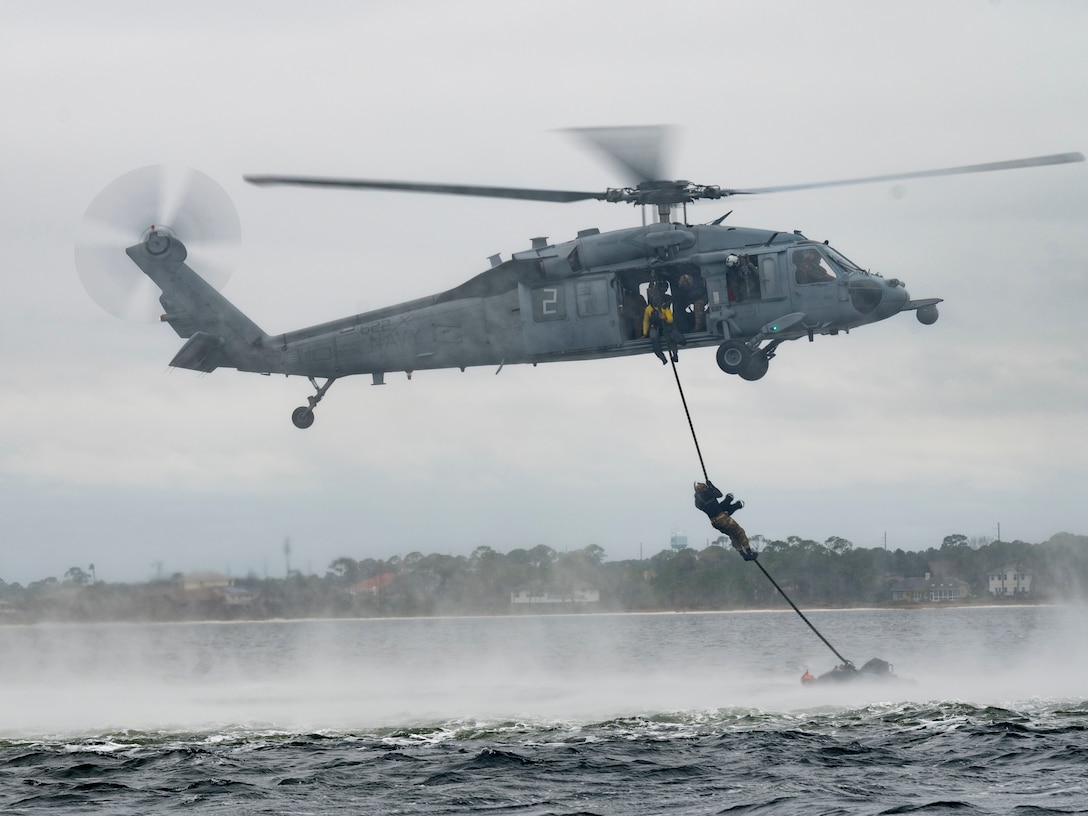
x=347 y=676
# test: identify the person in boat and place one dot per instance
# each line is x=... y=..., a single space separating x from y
x=844 y=671
x=721 y=518
x=874 y=669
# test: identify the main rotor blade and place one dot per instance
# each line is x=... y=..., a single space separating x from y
x=524 y=194
x=1013 y=164
x=638 y=151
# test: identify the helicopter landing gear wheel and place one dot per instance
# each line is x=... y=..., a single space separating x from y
x=756 y=368
x=303 y=417
x=733 y=356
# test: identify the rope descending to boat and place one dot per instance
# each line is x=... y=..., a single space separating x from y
x=720 y=510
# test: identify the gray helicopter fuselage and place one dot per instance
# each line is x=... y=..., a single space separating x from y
x=580 y=299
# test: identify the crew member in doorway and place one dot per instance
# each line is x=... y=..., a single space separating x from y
x=691 y=292
x=657 y=291
x=721 y=516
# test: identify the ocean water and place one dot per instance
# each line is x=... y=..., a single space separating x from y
x=594 y=714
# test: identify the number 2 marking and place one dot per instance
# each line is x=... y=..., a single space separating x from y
x=549 y=302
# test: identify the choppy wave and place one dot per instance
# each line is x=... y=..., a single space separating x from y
x=597 y=715
x=937 y=757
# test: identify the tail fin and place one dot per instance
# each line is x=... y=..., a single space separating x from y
x=218 y=333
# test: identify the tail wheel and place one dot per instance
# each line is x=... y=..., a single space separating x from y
x=733 y=356
x=756 y=368
x=303 y=417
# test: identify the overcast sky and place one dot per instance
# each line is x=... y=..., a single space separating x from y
x=896 y=430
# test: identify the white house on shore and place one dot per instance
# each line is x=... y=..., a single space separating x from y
x=1010 y=581
x=930 y=590
x=575 y=596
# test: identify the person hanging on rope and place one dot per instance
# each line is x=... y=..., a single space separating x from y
x=721 y=518
x=657 y=325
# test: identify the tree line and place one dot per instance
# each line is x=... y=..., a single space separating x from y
x=832 y=573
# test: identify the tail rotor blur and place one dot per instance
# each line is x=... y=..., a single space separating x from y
x=192 y=206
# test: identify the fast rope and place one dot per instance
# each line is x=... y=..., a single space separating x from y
x=691 y=425
x=799 y=612
x=774 y=583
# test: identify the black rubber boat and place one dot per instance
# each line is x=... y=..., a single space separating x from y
x=875 y=670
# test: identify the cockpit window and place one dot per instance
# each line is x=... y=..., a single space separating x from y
x=841 y=260
x=809 y=266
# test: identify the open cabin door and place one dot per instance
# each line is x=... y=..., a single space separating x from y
x=570 y=315
x=745 y=295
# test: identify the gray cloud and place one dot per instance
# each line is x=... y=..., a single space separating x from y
x=913 y=431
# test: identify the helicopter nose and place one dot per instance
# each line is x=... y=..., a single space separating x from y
x=896 y=296
x=877 y=297
x=866 y=294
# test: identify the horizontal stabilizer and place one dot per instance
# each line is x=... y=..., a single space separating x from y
x=202 y=352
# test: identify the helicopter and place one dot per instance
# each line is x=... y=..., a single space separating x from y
x=742 y=290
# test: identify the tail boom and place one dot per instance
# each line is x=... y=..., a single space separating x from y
x=218 y=333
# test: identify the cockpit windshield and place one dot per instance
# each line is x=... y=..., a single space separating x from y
x=841 y=259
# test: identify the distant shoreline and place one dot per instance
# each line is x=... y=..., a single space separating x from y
x=539 y=615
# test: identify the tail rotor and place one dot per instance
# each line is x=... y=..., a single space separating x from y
x=189 y=204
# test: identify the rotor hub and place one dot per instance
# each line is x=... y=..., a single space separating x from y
x=157 y=237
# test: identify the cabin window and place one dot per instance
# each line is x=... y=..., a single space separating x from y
x=768 y=278
x=742 y=280
x=754 y=277
x=591 y=297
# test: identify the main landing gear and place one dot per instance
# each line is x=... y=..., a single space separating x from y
x=747 y=359
x=736 y=357
x=303 y=416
